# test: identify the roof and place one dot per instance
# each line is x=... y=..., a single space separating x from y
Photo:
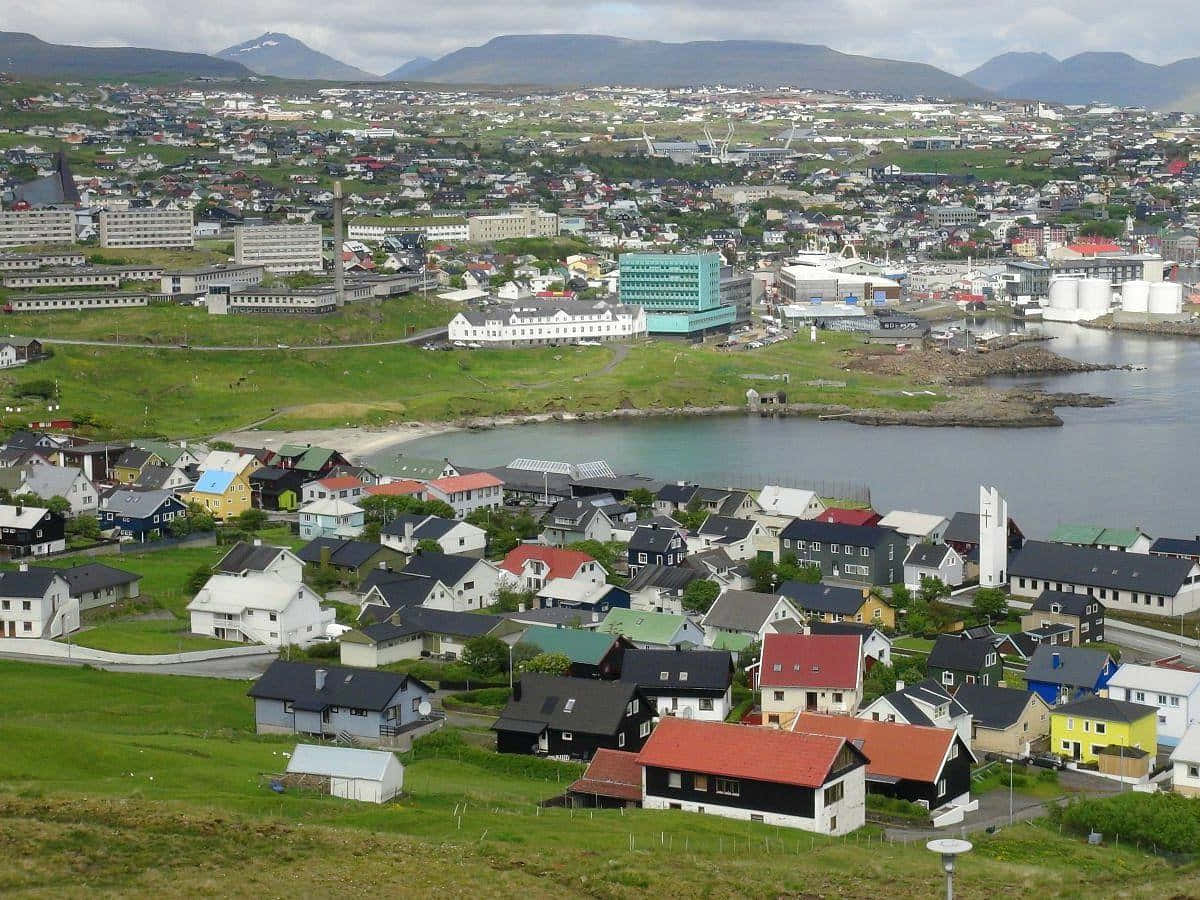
x=343 y=762
x=928 y=556
x=1178 y=546
x=431 y=527
x=587 y=705
x=1095 y=534
x=87 y=578
x=214 y=481
x=226 y=460
x=611 y=773
x=236 y=593
x=994 y=707
x=561 y=563
x=137 y=504
x=840 y=516
x=911 y=523
x=578 y=645
x=411 y=620
x=24 y=517
x=343 y=553
x=646 y=627
x=960 y=654
x=339 y=482
x=1096 y=707
x=369 y=689
x=740 y=611
x=653 y=538
x=1188 y=748
x=476 y=480
x=742 y=751
x=684 y=670
x=1069 y=603
x=726 y=528
x=811 y=660
x=1155 y=678
x=786 y=501
x=404 y=466
x=893 y=750
x=307 y=458
x=1077 y=666
x=402 y=488
x=1114 y=569
x=246 y=557
x=854 y=535
x=31 y=583
x=669 y=578
x=134 y=458
x=330 y=506
x=51 y=481
x=396 y=590
x=963 y=528
x=824 y=598
x=447 y=568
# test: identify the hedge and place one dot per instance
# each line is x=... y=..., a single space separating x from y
x=449 y=744
x=1168 y=821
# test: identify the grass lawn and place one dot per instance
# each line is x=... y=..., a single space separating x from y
x=146 y=636
x=914 y=644
x=190 y=393
x=1168 y=625
x=145 y=785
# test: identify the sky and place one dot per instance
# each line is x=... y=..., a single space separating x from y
x=955 y=35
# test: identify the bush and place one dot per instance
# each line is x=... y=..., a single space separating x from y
x=492 y=698
x=1168 y=821
x=323 y=650
x=894 y=807
x=447 y=743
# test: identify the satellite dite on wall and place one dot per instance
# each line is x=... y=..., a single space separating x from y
x=993 y=538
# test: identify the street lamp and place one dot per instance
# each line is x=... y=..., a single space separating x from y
x=1010 y=792
x=948 y=849
x=510 y=675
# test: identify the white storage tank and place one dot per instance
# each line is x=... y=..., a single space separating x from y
x=1166 y=298
x=1064 y=293
x=1095 y=296
x=1135 y=296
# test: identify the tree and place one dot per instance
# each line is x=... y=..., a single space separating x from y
x=700 y=595
x=789 y=569
x=879 y=681
x=548 y=663
x=901 y=596
x=605 y=553
x=86 y=526
x=322 y=577
x=762 y=570
x=990 y=603
x=428 y=545
x=508 y=600
x=642 y=499
x=692 y=516
x=521 y=654
x=252 y=519
x=200 y=518
x=486 y=655
x=749 y=654
x=60 y=505
x=198 y=579
x=932 y=589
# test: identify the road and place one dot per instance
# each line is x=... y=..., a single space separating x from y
x=420 y=337
x=238 y=668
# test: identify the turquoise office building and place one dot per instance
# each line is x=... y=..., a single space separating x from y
x=681 y=292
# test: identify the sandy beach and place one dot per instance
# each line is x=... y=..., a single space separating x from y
x=350 y=442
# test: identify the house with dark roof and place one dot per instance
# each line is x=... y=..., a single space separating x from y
x=471 y=583
x=963 y=534
x=655 y=545
x=374 y=707
x=1177 y=548
x=31 y=531
x=95 y=584
x=925 y=703
x=247 y=557
x=351 y=559
x=162 y=478
x=140 y=513
x=383 y=592
x=1023 y=644
x=412 y=632
x=737 y=537
x=130 y=463
x=572 y=521
x=802 y=780
x=273 y=487
x=613 y=779
x=955 y=660
x=1084 y=614
x=572 y=718
x=694 y=684
x=809 y=672
x=35 y=602
x=1137 y=582
x=929 y=766
x=829 y=603
x=1005 y=721
x=406 y=531
x=864 y=554
x=738 y=619
x=1062 y=674
x=312 y=462
x=673 y=498
x=659 y=588
x=939 y=561
x=1091 y=728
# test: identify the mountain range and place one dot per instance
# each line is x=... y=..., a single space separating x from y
x=1008 y=68
x=24 y=54
x=284 y=56
x=410 y=69
x=1113 y=78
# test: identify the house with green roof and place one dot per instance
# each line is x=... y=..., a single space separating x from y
x=307 y=459
x=652 y=629
x=1129 y=540
x=415 y=468
x=592 y=653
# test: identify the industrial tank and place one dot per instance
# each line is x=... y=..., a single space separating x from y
x=1135 y=296
x=1064 y=294
x=1166 y=298
x=1095 y=296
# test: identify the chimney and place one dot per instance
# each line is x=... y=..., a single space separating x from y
x=24 y=567
x=408 y=534
x=1055 y=660
x=899 y=685
x=319 y=675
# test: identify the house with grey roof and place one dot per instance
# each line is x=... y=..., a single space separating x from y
x=406 y=531
x=246 y=557
x=471 y=583
x=35 y=602
x=61 y=481
x=412 y=632
x=140 y=514
x=747 y=615
x=925 y=703
x=1005 y=720
x=737 y=537
x=1061 y=674
x=572 y=521
x=939 y=561
x=95 y=584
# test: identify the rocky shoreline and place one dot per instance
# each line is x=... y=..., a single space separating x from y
x=1167 y=329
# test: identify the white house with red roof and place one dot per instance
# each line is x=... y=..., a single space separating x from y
x=528 y=567
x=809 y=781
x=467 y=493
x=809 y=673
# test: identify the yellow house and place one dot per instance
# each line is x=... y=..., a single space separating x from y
x=1082 y=729
x=222 y=493
x=830 y=603
x=129 y=465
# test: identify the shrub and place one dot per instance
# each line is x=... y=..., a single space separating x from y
x=493 y=698
x=447 y=743
x=1168 y=821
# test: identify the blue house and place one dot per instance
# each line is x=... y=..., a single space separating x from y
x=1060 y=674
x=655 y=545
x=140 y=512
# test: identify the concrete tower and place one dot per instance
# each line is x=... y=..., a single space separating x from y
x=993 y=538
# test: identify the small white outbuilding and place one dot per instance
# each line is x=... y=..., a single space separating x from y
x=373 y=776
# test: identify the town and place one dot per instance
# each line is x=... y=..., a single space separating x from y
x=239 y=611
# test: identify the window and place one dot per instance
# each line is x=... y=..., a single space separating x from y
x=663 y=676
x=700 y=782
x=644 y=729
x=1070 y=724
x=864 y=552
x=1193 y=771
x=287 y=706
x=1066 y=745
x=1174 y=701
x=954 y=750
x=706 y=704
x=778 y=696
x=941 y=787
x=835 y=792
x=416 y=704
x=274 y=617
x=621 y=739
x=361 y=713
x=1087 y=725
x=1140 y=696
x=1162 y=699
x=755 y=817
x=674 y=780
x=816 y=545
x=567 y=736
x=729 y=787
x=837 y=696
x=833 y=548
x=947 y=677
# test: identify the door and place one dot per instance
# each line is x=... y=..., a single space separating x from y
x=544 y=742
x=1075 y=751
x=325 y=716
x=810 y=700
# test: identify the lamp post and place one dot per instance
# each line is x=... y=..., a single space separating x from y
x=948 y=849
x=1010 y=790
x=510 y=675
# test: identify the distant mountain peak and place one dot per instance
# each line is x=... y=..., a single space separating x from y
x=283 y=56
x=1008 y=68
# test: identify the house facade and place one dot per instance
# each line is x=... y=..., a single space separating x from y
x=1083 y=613
x=31 y=531
x=140 y=513
x=693 y=684
x=956 y=660
x=1083 y=729
x=864 y=554
x=1174 y=693
x=35 y=602
x=259 y=608
x=331 y=518
x=467 y=493
x=809 y=673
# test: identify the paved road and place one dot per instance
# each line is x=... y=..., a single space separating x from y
x=420 y=337
x=240 y=668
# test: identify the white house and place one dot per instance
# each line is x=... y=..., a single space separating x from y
x=1185 y=759
x=372 y=776
x=793 y=502
x=61 y=481
x=259 y=608
x=471 y=583
x=739 y=538
x=467 y=493
x=406 y=531
x=747 y=614
x=344 y=487
x=932 y=561
x=331 y=518
x=924 y=703
x=36 y=603
x=556 y=321
x=1176 y=694
x=916 y=527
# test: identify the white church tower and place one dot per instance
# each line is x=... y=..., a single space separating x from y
x=993 y=538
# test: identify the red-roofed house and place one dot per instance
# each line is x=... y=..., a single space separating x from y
x=528 y=567
x=467 y=493
x=930 y=766
x=1095 y=248
x=613 y=778
x=342 y=487
x=809 y=781
x=839 y=516
x=403 y=488
x=810 y=672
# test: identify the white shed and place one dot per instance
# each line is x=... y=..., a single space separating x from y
x=373 y=776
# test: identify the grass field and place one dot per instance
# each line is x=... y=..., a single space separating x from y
x=145 y=785
x=146 y=636
x=192 y=393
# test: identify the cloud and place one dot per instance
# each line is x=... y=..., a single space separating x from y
x=377 y=36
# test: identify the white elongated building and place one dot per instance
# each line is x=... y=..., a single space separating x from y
x=548 y=322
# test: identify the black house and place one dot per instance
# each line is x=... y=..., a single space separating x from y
x=655 y=545
x=554 y=715
x=691 y=683
x=274 y=488
x=1084 y=613
x=865 y=554
x=31 y=530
